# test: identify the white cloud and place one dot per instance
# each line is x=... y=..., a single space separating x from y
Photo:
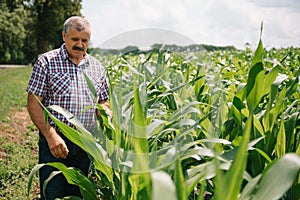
x=217 y=22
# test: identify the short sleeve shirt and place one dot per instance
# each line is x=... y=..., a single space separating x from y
x=61 y=82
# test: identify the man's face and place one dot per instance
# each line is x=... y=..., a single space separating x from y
x=77 y=42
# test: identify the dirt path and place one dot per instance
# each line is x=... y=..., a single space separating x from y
x=14 y=127
x=12 y=66
x=17 y=122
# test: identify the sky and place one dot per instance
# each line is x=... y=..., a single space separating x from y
x=119 y=23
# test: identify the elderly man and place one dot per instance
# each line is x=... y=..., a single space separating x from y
x=58 y=79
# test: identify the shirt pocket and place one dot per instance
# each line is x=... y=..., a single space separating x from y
x=59 y=84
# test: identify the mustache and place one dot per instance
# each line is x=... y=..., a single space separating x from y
x=78 y=48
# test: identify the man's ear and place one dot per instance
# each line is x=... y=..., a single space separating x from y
x=63 y=35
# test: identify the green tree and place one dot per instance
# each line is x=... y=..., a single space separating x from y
x=50 y=16
x=30 y=42
x=31 y=27
x=12 y=32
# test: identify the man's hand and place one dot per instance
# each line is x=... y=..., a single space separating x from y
x=106 y=108
x=57 y=145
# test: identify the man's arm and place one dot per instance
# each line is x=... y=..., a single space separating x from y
x=56 y=144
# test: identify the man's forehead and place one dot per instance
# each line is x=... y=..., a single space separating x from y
x=82 y=32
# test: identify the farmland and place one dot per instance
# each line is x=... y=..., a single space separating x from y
x=222 y=123
x=193 y=125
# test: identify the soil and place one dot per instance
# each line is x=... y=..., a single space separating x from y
x=17 y=122
x=14 y=127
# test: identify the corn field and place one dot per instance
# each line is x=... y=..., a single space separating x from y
x=220 y=125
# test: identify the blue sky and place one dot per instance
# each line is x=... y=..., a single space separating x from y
x=117 y=23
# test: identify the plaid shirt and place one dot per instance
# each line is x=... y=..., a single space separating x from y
x=61 y=82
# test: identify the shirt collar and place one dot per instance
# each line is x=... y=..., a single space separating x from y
x=65 y=55
x=64 y=52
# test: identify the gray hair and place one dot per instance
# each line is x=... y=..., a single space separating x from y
x=76 y=22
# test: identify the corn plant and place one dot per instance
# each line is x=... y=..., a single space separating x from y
x=219 y=125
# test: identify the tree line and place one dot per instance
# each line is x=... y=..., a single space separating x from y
x=161 y=47
x=31 y=27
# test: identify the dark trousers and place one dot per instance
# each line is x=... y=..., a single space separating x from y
x=58 y=186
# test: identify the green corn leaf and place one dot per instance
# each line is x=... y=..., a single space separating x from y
x=199 y=173
x=76 y=177
x=255 y=81
x=140 y=185
x=91 y=86
x=281 y=139
x=84 y=140
x=179 y=181
x=249 y=188
x=291 y=126
x=232 y=181
x=31 y=176
x=274 y=89
x=278 y=178
x=140 y=141
x=162 y=186
x=73 y=176
x=236 y=110
x=255 y=86
x=270 y=117
x=266 y=156
x=258 y=55
x=269 y=79
x=298 y=150
x=293 y=85
x=258 y=126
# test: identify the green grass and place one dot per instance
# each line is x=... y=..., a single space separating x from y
x=12 y=89
x=18 y=146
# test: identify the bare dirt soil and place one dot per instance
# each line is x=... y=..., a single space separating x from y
x=14 y=127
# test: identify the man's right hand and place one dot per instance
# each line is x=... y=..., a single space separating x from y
x=57 y=145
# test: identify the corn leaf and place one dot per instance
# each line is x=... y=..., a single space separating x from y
x=162 y=186
x=73 y=176
x=84 y=140
x=76 y=177
x=231 y=183
x=179 y=181
x=281 y=139
x=273 y=185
